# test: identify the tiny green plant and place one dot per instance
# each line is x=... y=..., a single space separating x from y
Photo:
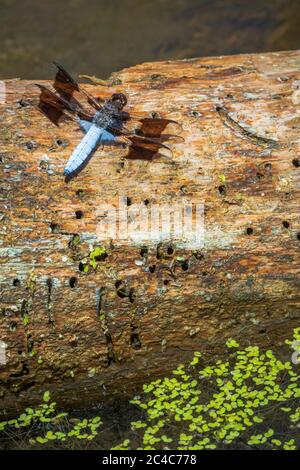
x=45 y=425
x=97 y=255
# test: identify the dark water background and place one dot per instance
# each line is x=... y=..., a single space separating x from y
x=99 y=36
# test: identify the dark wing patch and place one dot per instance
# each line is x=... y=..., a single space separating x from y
x=57 y=108
x=153 y=127
x=51 y=106
x=145 y=148
x=148 y=126
x=66 y=86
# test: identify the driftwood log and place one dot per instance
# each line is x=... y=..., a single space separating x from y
x=93 y=320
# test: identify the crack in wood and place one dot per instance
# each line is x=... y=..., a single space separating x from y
x=49 y=302
x=235 y=126
x=111 y=356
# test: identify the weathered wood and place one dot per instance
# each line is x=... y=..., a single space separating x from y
x=87 y=336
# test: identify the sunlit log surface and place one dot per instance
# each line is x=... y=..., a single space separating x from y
x=142 y=307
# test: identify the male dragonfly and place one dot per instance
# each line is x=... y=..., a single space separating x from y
x=102 y=121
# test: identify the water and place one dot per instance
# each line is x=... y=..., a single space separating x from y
x=97 y=37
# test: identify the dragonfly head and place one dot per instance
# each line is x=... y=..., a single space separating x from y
x=119 y=100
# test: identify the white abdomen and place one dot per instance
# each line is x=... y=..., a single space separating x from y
x=83 y=149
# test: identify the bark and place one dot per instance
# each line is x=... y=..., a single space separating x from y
x=145 y=306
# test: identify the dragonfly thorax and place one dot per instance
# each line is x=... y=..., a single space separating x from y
x=108 y=115
x=103 y=119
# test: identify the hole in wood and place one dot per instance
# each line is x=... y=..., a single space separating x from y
x=185 y=266
x=249 y=230
x=118 y=283
x=30 y=145
x=286 y=224
x=131 y=296
x=16 y=282
x=81 y=266
x=296 y=162
x=222 y=189
x=121 y=293
x=23 y=103
x=79 y=193
x=135 y=341
x=143 y=252
x=61 y=143
x=54 y=227
x=73 y=282
x=184 y=189
x=79 y=214
x=13 y=326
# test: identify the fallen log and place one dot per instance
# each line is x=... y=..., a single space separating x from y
x=93 y=318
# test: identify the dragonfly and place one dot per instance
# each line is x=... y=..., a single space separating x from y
x=103 y=121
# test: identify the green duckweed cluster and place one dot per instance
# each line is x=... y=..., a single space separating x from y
x=44 y=425
x=249 y=401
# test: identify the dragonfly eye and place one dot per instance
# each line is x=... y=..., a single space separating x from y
x=119 y=99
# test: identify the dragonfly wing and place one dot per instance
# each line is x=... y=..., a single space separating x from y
x=84 y=125
x=57 y=107
x=52 y=105
x=145 y=147
x=153 y=127
x=66 y=86
x=107 y=137
x=149 y=126
x=83 y=150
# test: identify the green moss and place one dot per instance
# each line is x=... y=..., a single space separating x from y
x=26 y=319
x=98 y=254
x=222 y=178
